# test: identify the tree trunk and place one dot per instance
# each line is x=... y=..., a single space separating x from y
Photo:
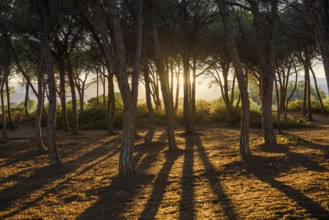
x=165 y=91
x=74 y=97
x=278 y=112
x=309 y=103
x=305 y=94
x=177 y=93
x=3 y=112
x=104 y=90
x=148 y=137
x=111 y=103
x=319 y=17
x=288 y=99
x=193 y=92
x=97 y=93
x=187 y=103
x=27 y=99
x=233 y=49
x=10 y=119
x=266 y=30
x=61 y=67
x=317 y=91
x=52 y=147
x=38 y=115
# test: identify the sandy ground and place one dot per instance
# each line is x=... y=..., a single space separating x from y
x=205 y=179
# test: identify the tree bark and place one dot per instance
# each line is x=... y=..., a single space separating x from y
x=319 y=17
x=234 y=53
x=111 y=103
x=165 y=91
x=187 y=98
x=266 y=30
x=51 y=129
x=317 y=91
x=3 y=112
x=38 y=115
x=149 y=136
x=27 y=99
x=61 y=67
x=10 y=119
x=74 y=97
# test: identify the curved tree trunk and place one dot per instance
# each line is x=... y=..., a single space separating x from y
x=51 y=129
x=242 y=81
x=317 y=91
x=38 y=115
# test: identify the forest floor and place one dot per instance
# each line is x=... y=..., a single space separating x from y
x=205 y=179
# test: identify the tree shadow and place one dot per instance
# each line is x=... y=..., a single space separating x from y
x=48 y=174
x=267 y=169
x=148 y=151
x=187 y=210
x=159 y=187
x=215 y=183
x=118 y=196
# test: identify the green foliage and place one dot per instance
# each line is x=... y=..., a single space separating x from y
x=31 y=105
x=297 y=105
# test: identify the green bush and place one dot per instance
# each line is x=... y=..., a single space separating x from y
x=297 y=105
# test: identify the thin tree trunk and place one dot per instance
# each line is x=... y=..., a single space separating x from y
x=305 y=94
x=317 y=91
x=288 y=99
x=234 y=53
x=52 y=147
x=165 y=91
x=97 y=93
x=10 y=119
x=3 y=112
x=148 y=137
x=278 y=113
x=309 y=103
x=111 y=103
x=62 y=93
x=38 y=115
x=74 y=97
x=187 y=103
x=104 y=90
x=27 y=99
x=193 y=92
x=177 y=93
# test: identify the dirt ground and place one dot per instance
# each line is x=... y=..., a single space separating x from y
x=205 y=179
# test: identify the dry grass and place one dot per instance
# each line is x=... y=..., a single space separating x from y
x=205 y=179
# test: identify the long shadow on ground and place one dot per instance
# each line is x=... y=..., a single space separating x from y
x=224 y=202
x=267 y=169
x=48 y=174
x=116 y=198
